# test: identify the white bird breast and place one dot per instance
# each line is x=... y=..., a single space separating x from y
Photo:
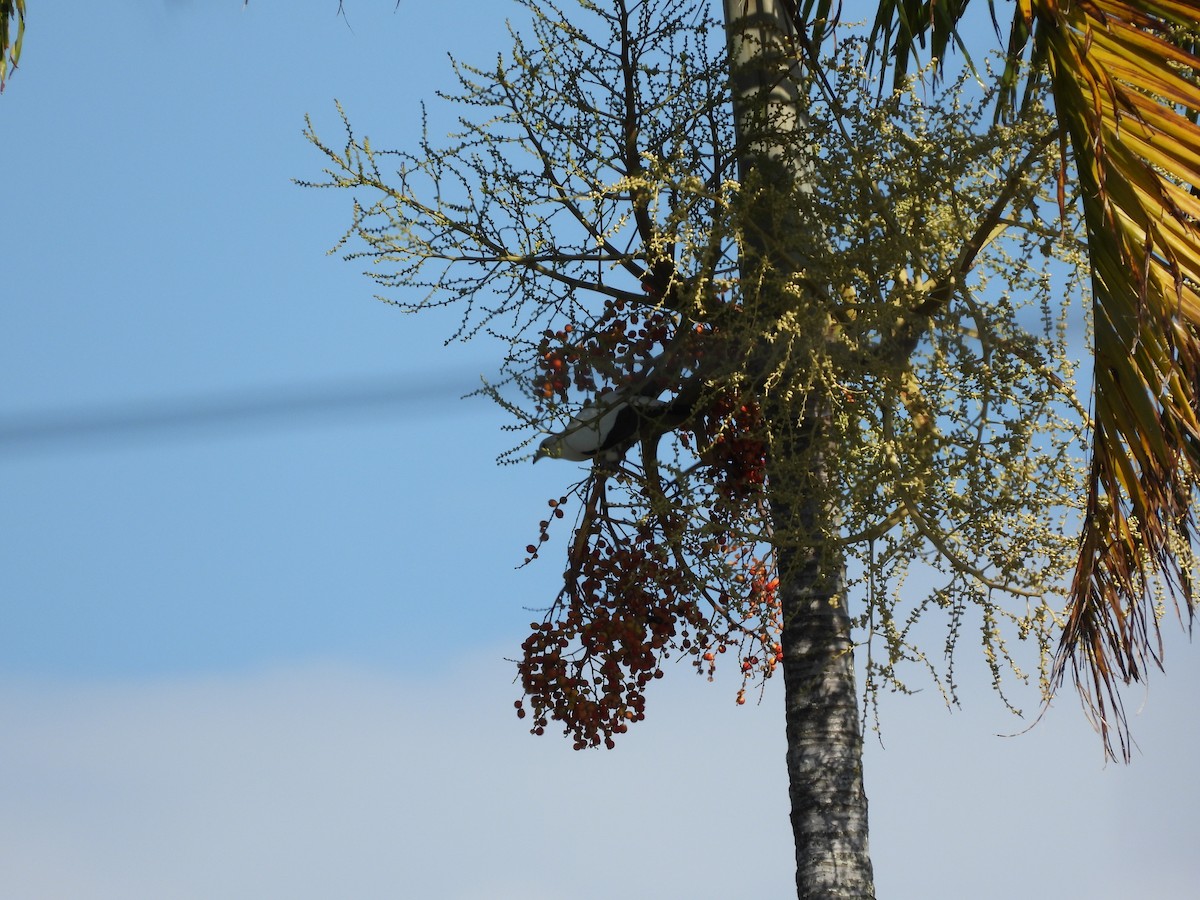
x=591 y=426
x=591 y=430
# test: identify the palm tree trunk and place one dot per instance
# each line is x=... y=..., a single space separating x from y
x=824 y=756
x=824 y=741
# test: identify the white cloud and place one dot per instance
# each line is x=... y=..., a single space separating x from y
x=325 y=781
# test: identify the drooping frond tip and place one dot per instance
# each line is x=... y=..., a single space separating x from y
x=12 y=32
x=1126 y=94
x=904 y=28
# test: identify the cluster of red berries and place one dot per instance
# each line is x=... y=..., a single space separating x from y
x=617 y=336
x=736 y=451
x=625 y=608
x=556 y=512
x=762 y=605
x=762 y=599
x=626 y=336
x=750 y=620
x=556 y=358
x=616 y=621
x=629 y=601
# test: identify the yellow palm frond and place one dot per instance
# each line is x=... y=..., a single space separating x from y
x=12 y=31
x=1123 y=91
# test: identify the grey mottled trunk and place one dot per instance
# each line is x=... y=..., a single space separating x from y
x=824 y=756
x=824 y=743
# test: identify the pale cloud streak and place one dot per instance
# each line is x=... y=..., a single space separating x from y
x=329 y=781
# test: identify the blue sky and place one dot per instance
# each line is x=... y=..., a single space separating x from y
x=268 y=659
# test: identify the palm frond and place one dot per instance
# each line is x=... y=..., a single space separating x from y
x=814 y=20
x=903 y=28
x=12 y=32
x=1124 y=76
x=1123 y=91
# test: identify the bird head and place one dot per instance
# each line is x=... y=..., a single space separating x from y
x=556 y=447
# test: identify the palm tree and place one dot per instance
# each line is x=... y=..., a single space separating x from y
x=824 y=741
x=793 y=343
x=1123 y=76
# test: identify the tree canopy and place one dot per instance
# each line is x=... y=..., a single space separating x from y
x=595 y=233
x=1122 y=81
x=841 y=315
